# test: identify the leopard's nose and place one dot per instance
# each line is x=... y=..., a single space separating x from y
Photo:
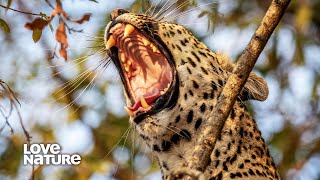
x=117 y=12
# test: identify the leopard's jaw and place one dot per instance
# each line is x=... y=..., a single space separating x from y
x=172 y=132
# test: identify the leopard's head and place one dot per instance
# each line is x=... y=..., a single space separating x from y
x=167 y=73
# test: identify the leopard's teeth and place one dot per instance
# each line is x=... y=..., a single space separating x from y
x=144 y=103
x=128 y=30
x=130 y=113
x=166 y=89
x=111 y=42
x=154 y=49
x=146 y=42
x=162 y=92
x=123 y=57
x=126 y=68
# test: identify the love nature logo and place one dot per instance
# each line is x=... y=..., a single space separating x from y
x=48 y=154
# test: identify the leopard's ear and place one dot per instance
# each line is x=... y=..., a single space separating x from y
x=256 y=87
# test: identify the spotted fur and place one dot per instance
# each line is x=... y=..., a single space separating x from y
x=240 y=151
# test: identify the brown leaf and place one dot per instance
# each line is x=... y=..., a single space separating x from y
x=61 y=35
x=38 y=23
x=63 y=53
x=59 y=10
x=85 y=17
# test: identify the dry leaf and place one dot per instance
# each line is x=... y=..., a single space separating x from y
x=61 y=37
x=85 y=17
x=63 y=53
x=59 y=10
x=38 y=23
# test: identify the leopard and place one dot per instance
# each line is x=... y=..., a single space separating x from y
x=171 y=84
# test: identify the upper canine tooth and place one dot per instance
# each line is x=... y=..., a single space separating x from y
x=111 y=42
x=128 y=30
x=144 y=103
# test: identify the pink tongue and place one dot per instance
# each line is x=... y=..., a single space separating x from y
x=150 y=97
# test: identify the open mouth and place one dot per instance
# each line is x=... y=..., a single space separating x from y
x=144 y=67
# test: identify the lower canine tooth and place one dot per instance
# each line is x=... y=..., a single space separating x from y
x=144 y=103
x=130 y=113
x=128 y=30
x=111 y=42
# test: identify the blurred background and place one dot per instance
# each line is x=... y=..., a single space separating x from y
x=78 y=103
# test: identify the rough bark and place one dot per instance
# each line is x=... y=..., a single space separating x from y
x=205 y=145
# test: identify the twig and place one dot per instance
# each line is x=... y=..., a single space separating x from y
x=34 y=14
x=235 y=83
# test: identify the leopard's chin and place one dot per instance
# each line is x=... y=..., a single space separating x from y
x=146 y=69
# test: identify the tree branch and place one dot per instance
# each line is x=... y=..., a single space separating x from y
x=34 y=14
x=206 y=142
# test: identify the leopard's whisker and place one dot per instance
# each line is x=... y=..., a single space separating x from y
x=189 y=11
x=123 y=136
x=155 y=7
x=70 y=104
x=161 y=9
x=160 y=14
x=188 y=24
x=167 y=127
x=175 y=9
x=75 y=80
x=68 y=85
x=80 y=59
x=149 y=9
